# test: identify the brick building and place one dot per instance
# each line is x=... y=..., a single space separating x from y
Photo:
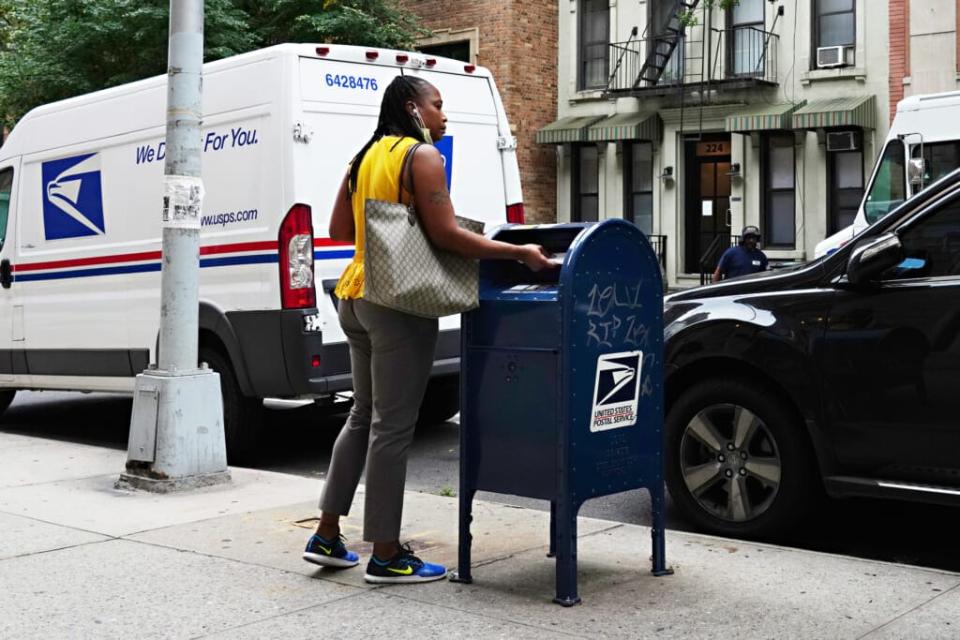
x=931 y=27
x=517 y=41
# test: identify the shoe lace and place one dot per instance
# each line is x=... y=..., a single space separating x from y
x=339 y=541
x=407 y=557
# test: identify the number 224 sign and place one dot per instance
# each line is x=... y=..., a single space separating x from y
x=713 y=149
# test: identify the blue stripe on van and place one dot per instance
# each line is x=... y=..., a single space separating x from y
x=88 y=273
x=155 y=266
x=332 y=255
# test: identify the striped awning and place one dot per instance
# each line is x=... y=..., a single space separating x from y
x=572 y=129
x=627 y=126
x=762 y=118
x=859 y=111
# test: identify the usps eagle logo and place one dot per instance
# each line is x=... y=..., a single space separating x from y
x=72 y=197
x=616 y=390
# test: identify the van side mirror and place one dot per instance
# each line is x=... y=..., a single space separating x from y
x=872 y=258
x=916 y=169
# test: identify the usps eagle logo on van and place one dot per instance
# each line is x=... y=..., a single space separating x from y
x=72 y=197
x=616 y=390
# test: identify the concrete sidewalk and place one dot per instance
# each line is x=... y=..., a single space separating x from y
x=79 y=559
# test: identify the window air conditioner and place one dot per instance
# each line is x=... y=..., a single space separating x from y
x=828 y=57
x=842 y=141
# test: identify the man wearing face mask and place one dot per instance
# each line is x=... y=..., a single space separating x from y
x=743 y=259
x=391 y=352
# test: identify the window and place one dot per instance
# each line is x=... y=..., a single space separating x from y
x=889 y=187
x=779 y=191
x=835 y=26
x=846 y=188
x=586 y=183
x=932 y=245
x=458 y=50
x=939 y=158
x=638 y=182
x=747 y=38
x=6 y=187
x=594 y=41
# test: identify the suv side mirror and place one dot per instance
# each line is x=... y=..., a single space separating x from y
x=873 y=258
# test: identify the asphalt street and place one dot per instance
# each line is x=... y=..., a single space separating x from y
x=923 y=535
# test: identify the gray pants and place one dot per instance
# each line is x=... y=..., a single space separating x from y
x=391 y=354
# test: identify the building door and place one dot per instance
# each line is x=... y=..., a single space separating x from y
x=708 y=201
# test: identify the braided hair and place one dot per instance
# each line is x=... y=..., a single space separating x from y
x=394 y=118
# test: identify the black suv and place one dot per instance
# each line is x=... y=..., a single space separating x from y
x=842 y=373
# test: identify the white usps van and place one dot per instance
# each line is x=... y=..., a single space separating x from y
x=80 y=198
x=923 y=145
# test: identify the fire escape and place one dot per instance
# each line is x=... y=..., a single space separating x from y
x=694 y=62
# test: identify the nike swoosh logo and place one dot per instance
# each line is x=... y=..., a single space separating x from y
x=325 y=550
x=406 y=571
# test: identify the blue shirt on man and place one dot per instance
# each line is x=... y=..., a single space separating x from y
x=740 y=261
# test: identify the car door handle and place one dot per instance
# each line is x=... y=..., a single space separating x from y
x=6 y=274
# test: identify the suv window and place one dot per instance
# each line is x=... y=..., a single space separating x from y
x=6 y=187
x=932 y=246
x=889 y=187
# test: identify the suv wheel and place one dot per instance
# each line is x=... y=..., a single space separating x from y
x=242 y=416
x=737 y=462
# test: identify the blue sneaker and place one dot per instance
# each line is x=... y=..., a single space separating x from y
x=330 y=553
x=403 y=568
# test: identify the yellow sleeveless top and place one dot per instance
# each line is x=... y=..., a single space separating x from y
x=378 y=179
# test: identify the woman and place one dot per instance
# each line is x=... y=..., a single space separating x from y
x=391 y=352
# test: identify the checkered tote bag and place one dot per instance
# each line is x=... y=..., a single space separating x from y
x=404 y=271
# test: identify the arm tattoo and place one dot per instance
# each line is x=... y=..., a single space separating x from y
x=441 y=196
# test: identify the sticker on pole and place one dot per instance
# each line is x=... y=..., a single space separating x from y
x=182 y=200
x=616 y=391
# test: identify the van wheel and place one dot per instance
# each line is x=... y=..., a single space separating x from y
x=242 y=415
x=6 y=397
x=737 y=461
x=441 y=401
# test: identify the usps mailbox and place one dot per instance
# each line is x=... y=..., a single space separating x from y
x=562 y=383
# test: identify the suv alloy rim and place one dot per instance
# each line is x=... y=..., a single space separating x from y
x=730 y=462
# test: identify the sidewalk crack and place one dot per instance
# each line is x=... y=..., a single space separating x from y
x=908 y=612
x=61 y=525
x=325 y=603
x=69 y=546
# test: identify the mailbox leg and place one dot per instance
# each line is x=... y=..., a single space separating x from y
x=658 y=531
x=552 y=553
x=463 y=574
x=566 y=548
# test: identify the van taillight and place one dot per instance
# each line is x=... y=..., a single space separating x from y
x=515 y=213
x=296 y=259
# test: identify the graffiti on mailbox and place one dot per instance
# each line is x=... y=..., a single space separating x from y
x=612 y=317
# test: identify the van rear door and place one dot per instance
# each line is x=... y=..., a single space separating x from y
x=340 y=105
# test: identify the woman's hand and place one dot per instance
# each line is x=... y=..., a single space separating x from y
x=537 y=258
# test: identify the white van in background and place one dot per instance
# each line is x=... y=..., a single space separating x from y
x=80 y=197
x=923 y=145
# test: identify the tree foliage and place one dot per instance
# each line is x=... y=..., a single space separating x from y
x=56 y=49
x=689 y=18
x=373 y=23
